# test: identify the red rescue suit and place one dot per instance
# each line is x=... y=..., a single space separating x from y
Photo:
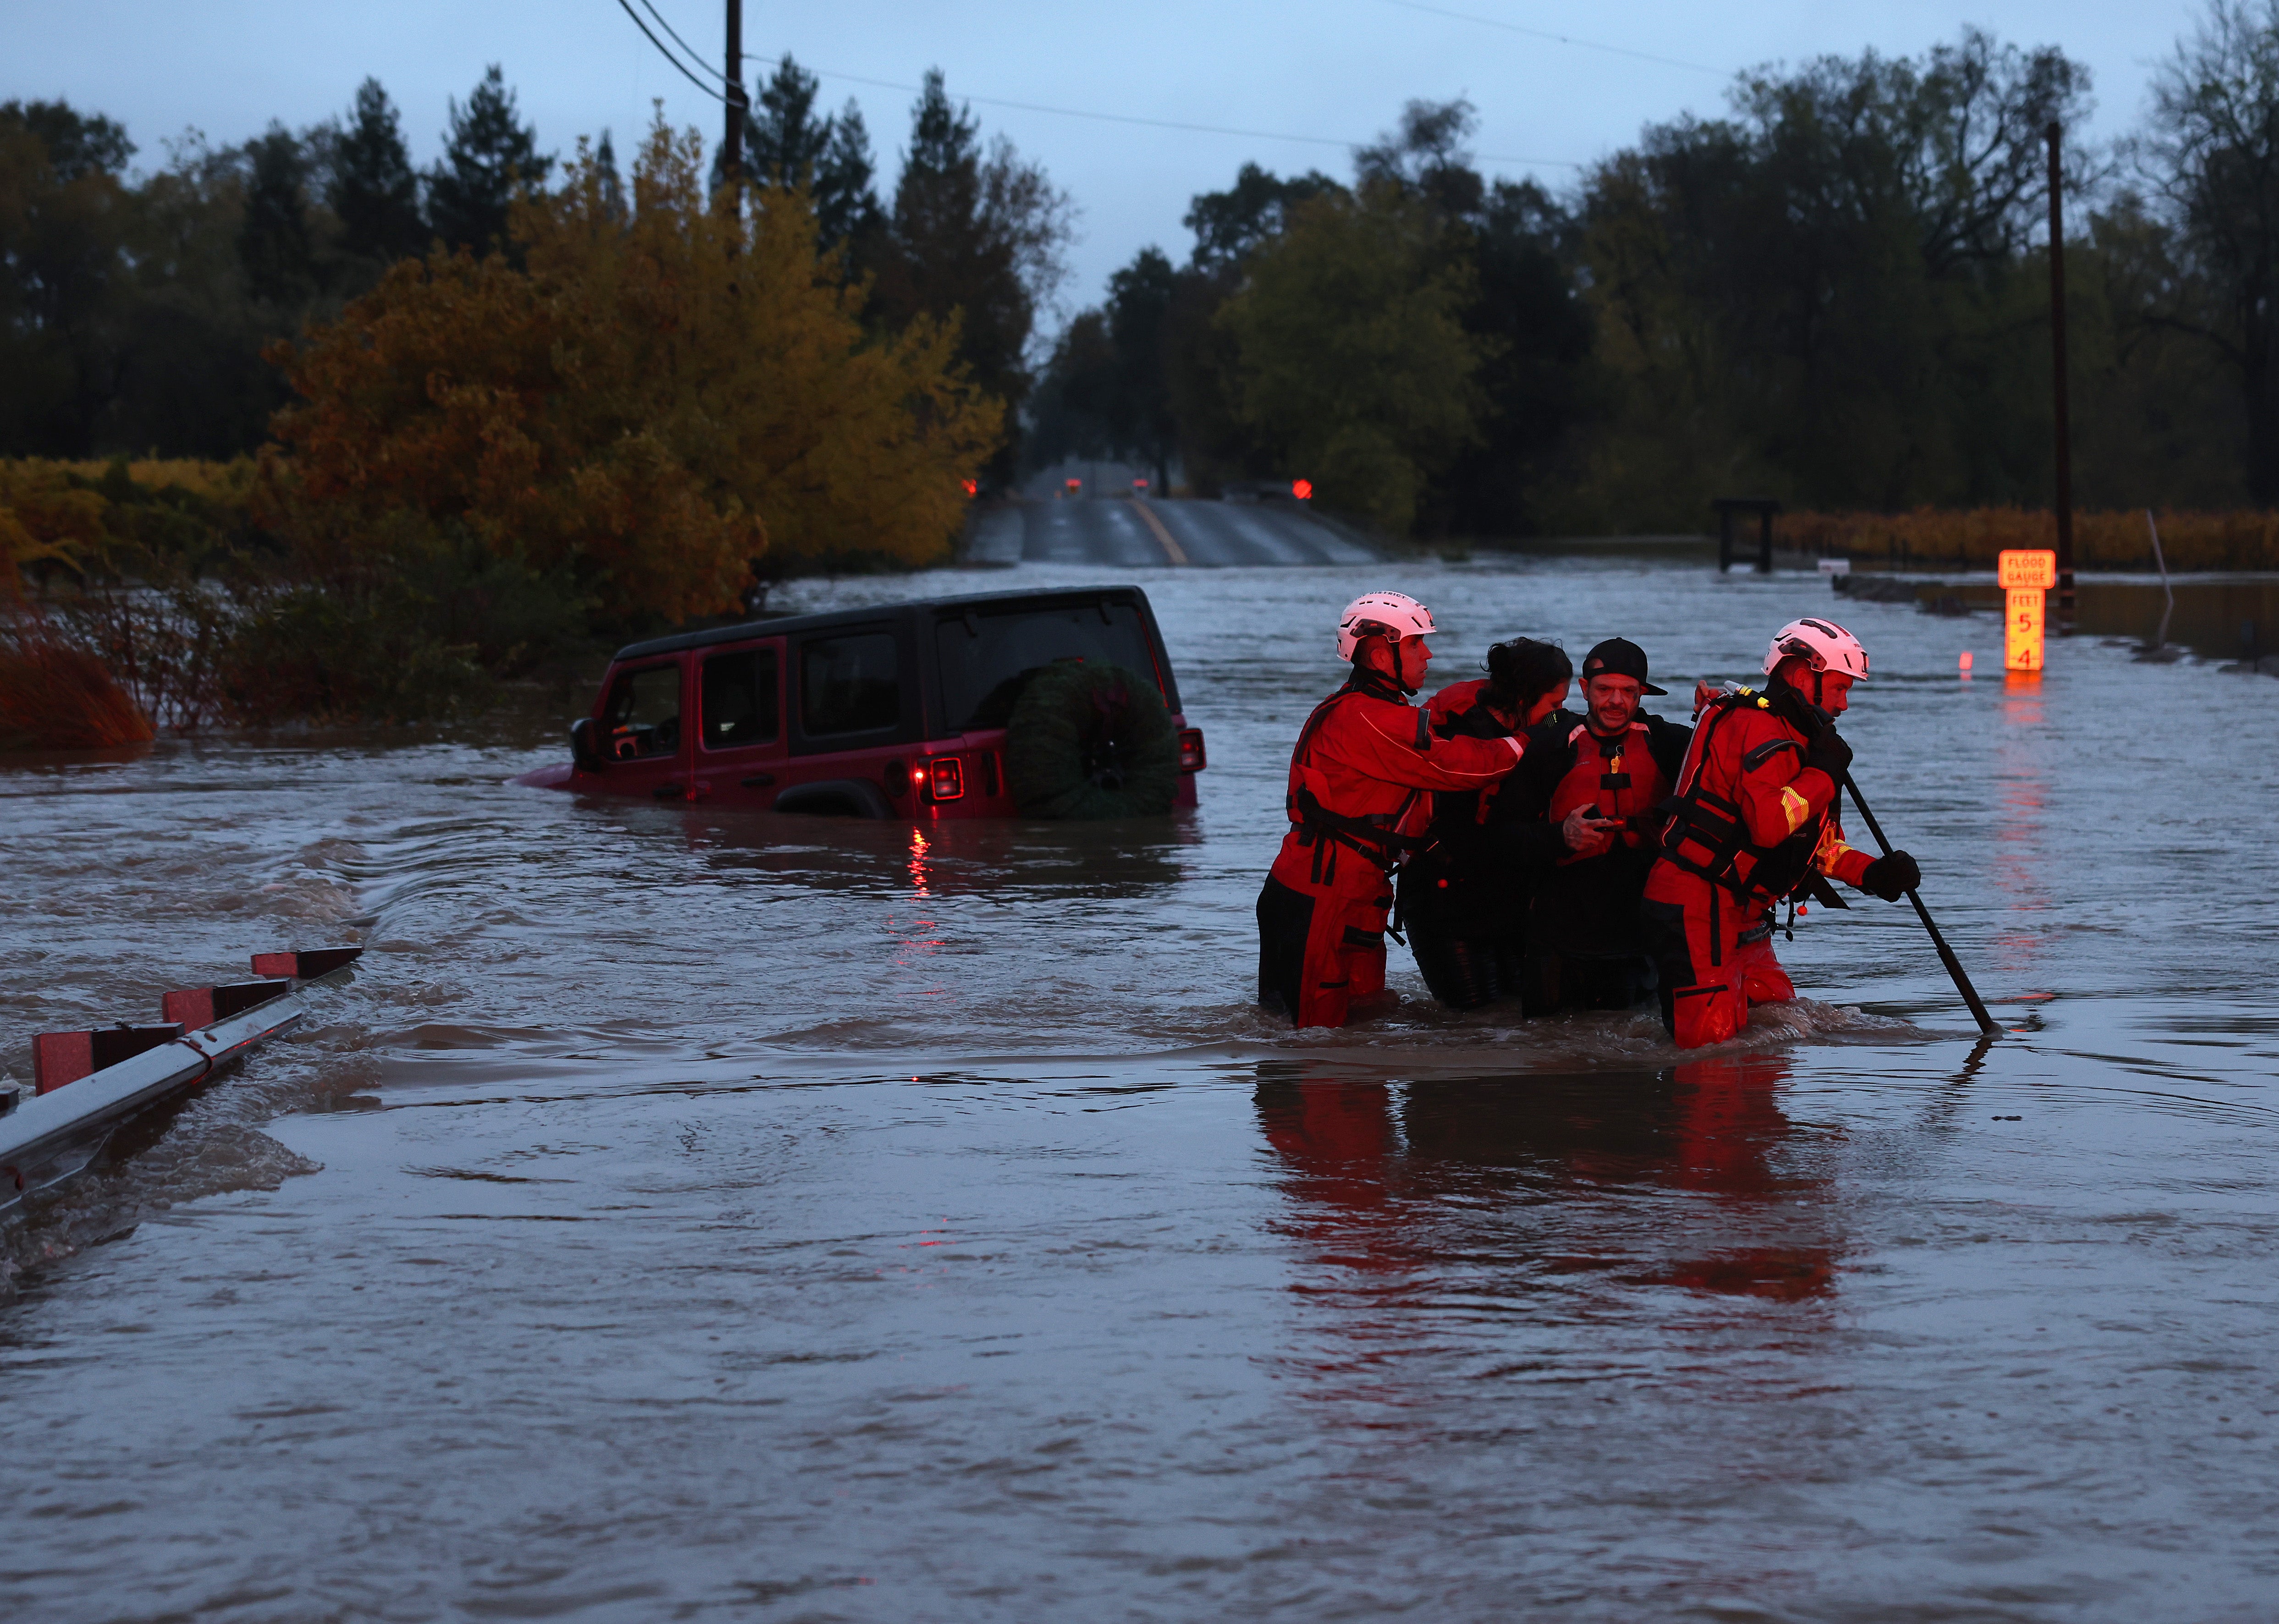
x=1751 y=824
x=1357 y=805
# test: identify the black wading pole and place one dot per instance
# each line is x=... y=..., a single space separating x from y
x=1946 y=953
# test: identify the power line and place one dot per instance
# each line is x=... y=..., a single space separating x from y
x=668 y=56
x=1563 y=39
x=1058 y=113
x=695 y=55
x=1165 y=124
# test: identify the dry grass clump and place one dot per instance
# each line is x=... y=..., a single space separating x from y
x=1970 y=537
x=230 y=481
x=55 y=695
x=45 y=516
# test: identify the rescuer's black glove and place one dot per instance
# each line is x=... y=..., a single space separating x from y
x=1829 y=753
x=1891 y=877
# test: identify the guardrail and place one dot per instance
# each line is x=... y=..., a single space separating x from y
x=52 y=1138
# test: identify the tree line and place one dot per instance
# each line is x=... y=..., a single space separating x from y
x=1836 y=294
x=135 y=307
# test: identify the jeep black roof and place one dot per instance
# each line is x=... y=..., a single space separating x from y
x=774 y=626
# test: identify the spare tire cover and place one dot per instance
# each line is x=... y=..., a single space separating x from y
x=1088 y=741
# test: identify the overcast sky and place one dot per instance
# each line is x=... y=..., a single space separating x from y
x=1337 y=71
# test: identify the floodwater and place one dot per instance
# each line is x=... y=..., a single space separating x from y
x=697 y=1215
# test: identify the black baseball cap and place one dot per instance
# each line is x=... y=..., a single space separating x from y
x=1622 y=657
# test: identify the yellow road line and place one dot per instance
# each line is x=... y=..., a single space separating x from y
x=1171 y=548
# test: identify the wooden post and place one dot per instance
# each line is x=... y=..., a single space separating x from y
x=732 y=143
x=2058 y=384
x=1728 y=508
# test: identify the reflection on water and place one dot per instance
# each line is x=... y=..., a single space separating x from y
x=1098 y=860
x=918 y=862
x=2021 y=839
x=1382 y=1177
x=2217 y=620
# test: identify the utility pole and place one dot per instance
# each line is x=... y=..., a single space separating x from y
x=2058 y=383
x=732 y=144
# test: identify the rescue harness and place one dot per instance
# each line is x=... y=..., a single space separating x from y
x=1374 y=836
x=1708 y=835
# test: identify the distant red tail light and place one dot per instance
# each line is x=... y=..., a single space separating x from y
x=1190 y=750
x=945 y=779
x=1303 y=490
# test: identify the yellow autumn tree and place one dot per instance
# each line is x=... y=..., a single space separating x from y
x=655 y=395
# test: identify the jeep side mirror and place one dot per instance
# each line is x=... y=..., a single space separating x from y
x=585 y=750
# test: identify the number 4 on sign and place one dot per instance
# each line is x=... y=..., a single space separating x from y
x=2025 y=576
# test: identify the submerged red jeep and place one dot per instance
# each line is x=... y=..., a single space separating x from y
x=1058 y=702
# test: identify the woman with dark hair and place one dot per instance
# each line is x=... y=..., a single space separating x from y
x=1463 y=901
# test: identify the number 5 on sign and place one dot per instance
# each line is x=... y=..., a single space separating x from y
x=2025 y=576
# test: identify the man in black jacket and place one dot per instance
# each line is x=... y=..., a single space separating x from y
x=1581 y=815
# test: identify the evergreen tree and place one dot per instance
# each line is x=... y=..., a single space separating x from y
x=1140 y=299
x=274 y=243
x=64 y=274
x=785 y=144
x=371 y=186
x=940 y=197
x=975 y=235
x=846 y=206
x=612 y=184
x=488 y=158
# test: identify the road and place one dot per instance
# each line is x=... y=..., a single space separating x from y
x=1158 y=534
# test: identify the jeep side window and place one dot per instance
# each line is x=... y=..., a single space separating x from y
x=849 y=685
x=738 y=699
x=643 y=718
x=987 y=658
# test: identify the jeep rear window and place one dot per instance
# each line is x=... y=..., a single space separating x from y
x=849 y=685
x=739 y=698
x=986 y=656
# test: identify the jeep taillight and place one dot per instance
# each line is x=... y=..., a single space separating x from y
x=1190 y=750
x=945 y=779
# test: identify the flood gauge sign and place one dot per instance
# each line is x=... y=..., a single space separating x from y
x=2025 y=576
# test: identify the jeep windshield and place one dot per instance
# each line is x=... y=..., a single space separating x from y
x=988 y=654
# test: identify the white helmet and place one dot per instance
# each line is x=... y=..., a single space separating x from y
x=1389 y=615
x=1826 y=645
